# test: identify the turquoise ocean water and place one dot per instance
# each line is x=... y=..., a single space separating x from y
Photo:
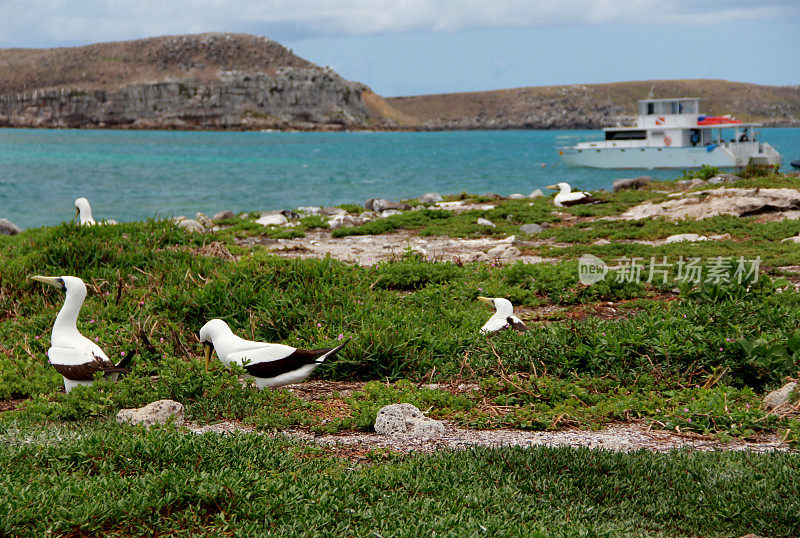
x=130 y=175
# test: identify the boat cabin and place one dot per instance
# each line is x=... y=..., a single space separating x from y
x=678 y=123
x=672 y=133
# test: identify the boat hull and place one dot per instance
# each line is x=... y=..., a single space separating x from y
x=663 y=157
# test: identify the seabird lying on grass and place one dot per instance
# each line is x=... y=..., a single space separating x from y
x=270 y=365
x=566 y=197
x=503 y=317
x=83 y=212
x=73 y=355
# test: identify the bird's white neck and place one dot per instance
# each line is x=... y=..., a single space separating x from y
x=65 y=327
x=564 y=189
x=225 y=343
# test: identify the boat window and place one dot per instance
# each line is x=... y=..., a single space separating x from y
x=626 y=135
x=650 y=108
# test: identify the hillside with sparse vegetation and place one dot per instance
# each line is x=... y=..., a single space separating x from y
x=590 y=106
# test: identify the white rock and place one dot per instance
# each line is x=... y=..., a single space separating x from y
x=309 y=209
x=272 y=220
x=631 y=183
x=531 y=228
x=341 y=221
x=485 y=222
x=9 y=228
x=477 y=256
x=685 y=237
x=389 y=213
x=329 y=210
x=536 y=194
x=601 y=242
x=177 y=219
x=430 y=198
x=405 y=419
x=223 y=215
x=159 y=412
x=451 y=205
x=190 y=225
x=722 y=178
x=781 y=397
x=497 y=252
x=204 y=220
x=516 y=196
x=510 y=252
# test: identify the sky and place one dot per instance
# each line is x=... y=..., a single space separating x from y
x=411 y=47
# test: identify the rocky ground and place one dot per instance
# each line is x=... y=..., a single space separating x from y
x=620 y=437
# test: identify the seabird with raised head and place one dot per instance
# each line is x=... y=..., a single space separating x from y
x=73 y=355
x=270 y=365
x=503 y=317
x=83 y=212
x=567 y=198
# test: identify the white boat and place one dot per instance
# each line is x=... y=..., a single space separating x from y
x=671 y=133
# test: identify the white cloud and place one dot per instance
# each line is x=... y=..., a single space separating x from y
x=31 y=22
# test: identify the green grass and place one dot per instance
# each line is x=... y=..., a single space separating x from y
x=693 y=358
x=119 y=481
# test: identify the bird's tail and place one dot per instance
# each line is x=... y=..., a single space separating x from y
x=331 y=353
x=126 y=360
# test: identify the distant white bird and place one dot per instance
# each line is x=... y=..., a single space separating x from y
x=566 y=197
x=270 y=365
x=503 y=317
x=83 y=211
x=73 y=355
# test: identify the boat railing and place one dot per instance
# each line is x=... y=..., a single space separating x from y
x=568 y=141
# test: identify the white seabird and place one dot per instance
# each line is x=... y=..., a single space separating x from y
x=83 y=212
x=73 y=355
x=270 y=365
x=503 y=317
x=566 y=197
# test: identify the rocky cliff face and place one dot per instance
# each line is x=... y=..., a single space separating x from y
x=295 y=98
x=207 y=81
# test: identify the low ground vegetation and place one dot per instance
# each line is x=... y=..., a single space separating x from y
x=681 y=356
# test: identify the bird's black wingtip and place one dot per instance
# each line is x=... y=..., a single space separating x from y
x=333 y=351
x=126 y=360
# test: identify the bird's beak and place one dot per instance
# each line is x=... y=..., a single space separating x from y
x=52 y=280
x=486 y=300
x=77 y=212
x=207 y=348
x=554 y=187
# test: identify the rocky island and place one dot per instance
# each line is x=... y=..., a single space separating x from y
x=246 y=82
x=205 y=81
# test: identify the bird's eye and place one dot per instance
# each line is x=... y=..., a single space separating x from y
x=63 y=285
